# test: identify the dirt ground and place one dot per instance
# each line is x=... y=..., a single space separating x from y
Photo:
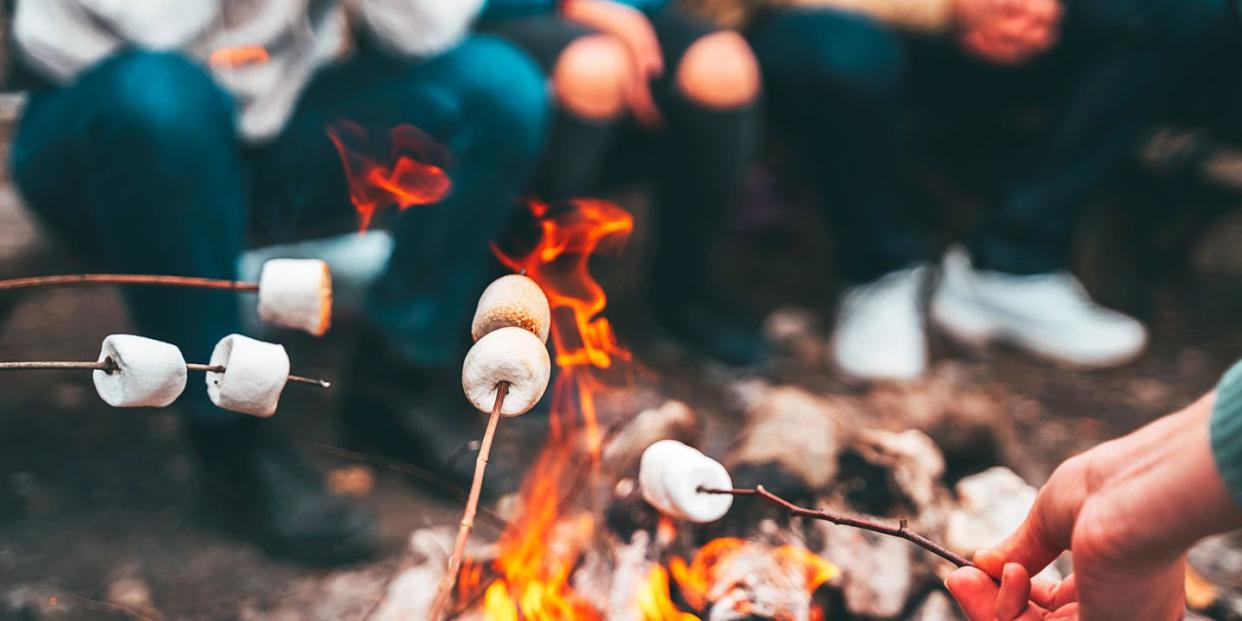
x=90 y=494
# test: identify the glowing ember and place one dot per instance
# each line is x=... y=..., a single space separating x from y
x=696 y=578
x=412 y=174
x=238 y=56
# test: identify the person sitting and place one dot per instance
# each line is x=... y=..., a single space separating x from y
x=641 y=71
x=162 y=131
x=839 y=78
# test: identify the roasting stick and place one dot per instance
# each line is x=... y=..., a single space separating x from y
x=33 y=282
x=472 y=506
x=108 y=366
x=882 y=528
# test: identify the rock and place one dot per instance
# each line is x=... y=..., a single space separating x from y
x=937 y=606
x=877 y=571
x=796 y=433
x=990 y=505
x=913 y=460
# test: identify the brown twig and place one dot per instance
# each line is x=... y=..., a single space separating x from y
x=62 y=280
x=108 y=366
x=472 y=504
x=883 y=528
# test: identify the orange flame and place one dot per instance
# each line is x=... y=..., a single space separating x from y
x=534 y=576
x=654 y=601
x=413 y=174
x=239 y=56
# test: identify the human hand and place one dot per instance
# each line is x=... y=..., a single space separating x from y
x=1128 y=510
x=1017 y=598
x=635 y=32
x=1007 y=31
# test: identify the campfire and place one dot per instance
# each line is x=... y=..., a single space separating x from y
x=582 y=542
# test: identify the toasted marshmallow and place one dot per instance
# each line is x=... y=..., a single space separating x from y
x=512 y=300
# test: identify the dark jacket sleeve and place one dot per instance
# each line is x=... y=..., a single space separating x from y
x=1227 y=430
x=501 y=9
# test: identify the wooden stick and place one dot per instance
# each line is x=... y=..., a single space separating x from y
x=449 y=580
x=883 y=528
x=108 y=366
x=34 y=282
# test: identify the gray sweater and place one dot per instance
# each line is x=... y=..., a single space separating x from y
x=263 y=51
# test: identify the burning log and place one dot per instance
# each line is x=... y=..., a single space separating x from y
x=134 y=371
x=293 y=293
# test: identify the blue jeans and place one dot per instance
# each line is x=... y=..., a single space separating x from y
x=138 y=165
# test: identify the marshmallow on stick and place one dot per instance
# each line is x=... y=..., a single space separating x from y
x=511 y=355
x=254 y=375
x=671 y=475
x=296 y=293
x=513 y=300
x=147 y=373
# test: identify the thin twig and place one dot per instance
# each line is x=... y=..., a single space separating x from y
x=108 y=366
x=900 y=530
x=472 y=504
x=34 y=282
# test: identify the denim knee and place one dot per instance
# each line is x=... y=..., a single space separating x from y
x=158 y=99
x=504 y=94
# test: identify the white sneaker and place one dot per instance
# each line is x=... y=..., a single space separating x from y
x=1049 y=315
x=880 y=333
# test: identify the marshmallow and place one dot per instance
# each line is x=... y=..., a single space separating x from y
x=296 y=293
x=510 y=355
x=254 y=375
x=150 y=373
x=512 y=300
x=671 y=473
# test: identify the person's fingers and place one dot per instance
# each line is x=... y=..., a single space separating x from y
x=1014 y=593
x=1047 y=529
x=975 y=592
x=1069 y=612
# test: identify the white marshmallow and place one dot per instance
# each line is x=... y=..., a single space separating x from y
x=651 y=471
x=254 y=375
x=510 y=355
x=671 y=473
x=512 y=300
x=296 y=293
x=151 y=373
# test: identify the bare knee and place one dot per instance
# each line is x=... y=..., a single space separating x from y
x=719 y=71
x=590 y=77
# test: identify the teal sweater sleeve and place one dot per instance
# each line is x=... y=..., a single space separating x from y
x=501 y=9
x=1227 y=430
